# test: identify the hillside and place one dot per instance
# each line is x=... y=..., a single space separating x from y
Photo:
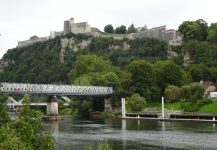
x=51 y=61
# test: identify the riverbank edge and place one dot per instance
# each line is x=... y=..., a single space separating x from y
x=172 y=120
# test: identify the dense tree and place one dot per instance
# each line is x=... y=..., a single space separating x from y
x=212 y=33
x=109 y=29
x=171 y=92
x=190 y=30
x=131 y=29
x=34 y=37
x=121 y=30
x=136 y=102
x=125 y=89
x=204 y=26
x=143 y=76
x=86 y=64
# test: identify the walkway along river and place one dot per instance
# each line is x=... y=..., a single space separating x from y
x=80 y=133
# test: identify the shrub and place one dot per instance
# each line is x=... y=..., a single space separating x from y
x=10 y=140
x=105 y=114
x=194 y=107
x=175 y=100
x=24 y=130
x=193 y=99
x=116 y=113
x=136 y=102
x=182 y=103
x=200 y=103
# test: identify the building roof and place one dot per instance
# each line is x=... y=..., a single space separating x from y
x=95 y=29
x=71 y=18
x=206 y=84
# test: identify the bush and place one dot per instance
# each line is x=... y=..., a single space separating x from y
x=106 y=114
x=193 y=99
x=182 y=103
x=24 y=130
x=194 y=107
x=209 y=100
x=175 y=100
x=116 y=113
x=199 y=103
x=136 y=102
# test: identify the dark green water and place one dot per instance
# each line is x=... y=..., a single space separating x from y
x=80 y=133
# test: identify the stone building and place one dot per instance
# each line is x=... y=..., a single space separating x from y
x=209 y=86
x=161 y=33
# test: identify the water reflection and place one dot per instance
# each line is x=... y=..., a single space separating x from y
x=80 y=133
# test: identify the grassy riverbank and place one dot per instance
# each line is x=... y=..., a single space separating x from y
x=211 y=107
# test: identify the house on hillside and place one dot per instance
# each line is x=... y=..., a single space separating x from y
x=209 y=86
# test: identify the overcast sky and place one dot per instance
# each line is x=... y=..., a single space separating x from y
x=21 y=19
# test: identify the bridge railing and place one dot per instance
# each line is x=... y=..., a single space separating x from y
x=22 y=88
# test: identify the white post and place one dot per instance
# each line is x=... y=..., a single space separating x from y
x=213 y=118
x=122 y=102
x=124 y=106
x=163 y=107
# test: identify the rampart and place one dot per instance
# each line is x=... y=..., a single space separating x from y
x=161 y=33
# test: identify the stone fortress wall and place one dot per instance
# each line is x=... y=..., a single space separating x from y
x=161 y=33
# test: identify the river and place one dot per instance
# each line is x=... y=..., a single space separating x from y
x=80 y=133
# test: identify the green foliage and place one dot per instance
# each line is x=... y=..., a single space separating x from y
x=131 y=29
x=109 y=29
x=4 y=116
x=86 y=64
x=136 y=102
x=125 y=89
x=24 y=130
x=143 y=75
x=34 y=37
x=26 y=114
x=193 y=99
x=81 y=104
x=203 y=26
x=66 y=111
x=212 y=33
x=45 y=141
x=190 y=30
x=121 y=30
x=171 y=92
x=105 y=114
x=197 y=90
x=9 y=139
x=102 y=146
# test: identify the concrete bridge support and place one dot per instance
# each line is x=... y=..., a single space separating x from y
x=52 y=109
x=52 y=106
x=108 y=106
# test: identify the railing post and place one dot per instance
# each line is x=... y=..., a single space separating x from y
x=163 y=107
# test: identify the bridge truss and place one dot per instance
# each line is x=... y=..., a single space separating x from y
x=53 y=89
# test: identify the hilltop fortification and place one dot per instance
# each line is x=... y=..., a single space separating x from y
x=168 y=36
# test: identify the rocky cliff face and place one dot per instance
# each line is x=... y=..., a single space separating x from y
x=73 y=47
x=124 y=47
x=5 y=63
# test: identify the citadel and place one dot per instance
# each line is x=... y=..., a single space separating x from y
x=168 y=36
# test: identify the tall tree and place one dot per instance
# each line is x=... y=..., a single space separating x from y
x=109 y=29
x=88 y=64
x=190 y=30
x=143 y=76
x=204 y=26
x=131 y=29
x=34 y=37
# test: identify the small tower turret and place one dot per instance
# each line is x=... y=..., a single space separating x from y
x=71 y=20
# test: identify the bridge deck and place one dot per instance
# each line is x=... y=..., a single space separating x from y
x=32 y=104
x=52 y=89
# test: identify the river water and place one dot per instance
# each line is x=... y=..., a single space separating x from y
x=80 y=133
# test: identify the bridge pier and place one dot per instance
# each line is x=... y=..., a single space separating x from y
x=108 y=106
x=52 y=106
x=52 y=109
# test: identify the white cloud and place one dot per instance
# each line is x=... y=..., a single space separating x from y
x=22 y=19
